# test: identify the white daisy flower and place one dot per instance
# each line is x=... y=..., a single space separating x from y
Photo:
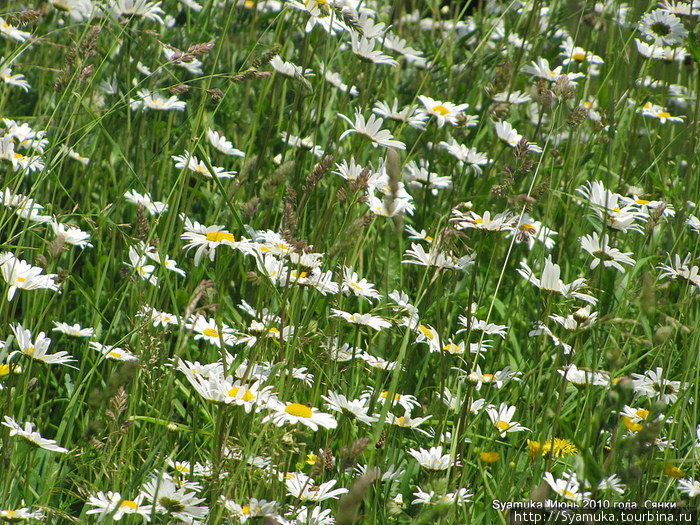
x=145 y=200
x=468 y=157
x=222 y=144
x=158 y=318
x=305 y=488
x=582 y=377
x=377 y=362
x=371 y=128
x=208 y=238
x=581 y=319
x=502 y=419
x=508 y=134
x=138 y=262
x=444 y=112
x=408 y=421
x=373 y=321
x=172 y=500
x=540 y=68
x=357 y=408
x=352 y=284
x=253 y=508
x=569 y=487
x=71 y=235
x=334 y=79
x=289 y=69
x=435 y=257
x=21 y=514
x=363 y=47
x=209 y=330
x=411 y=115
x=660 y=113
x=11 y=32
x=652 y=384
x=575 y=54
x=12 y=80
x=550 y=281
x=662 y=28
x=193 y=164
x=681 y=269
x=37 y=348
x=73 y=330
x=503 y=221
x=459 y=497
x=113 y=352
x=28 y=433
x=149 y=100
x=610 y=257
x=689 y=487
x=433 y=458
x=294 y=413
x=112 y=503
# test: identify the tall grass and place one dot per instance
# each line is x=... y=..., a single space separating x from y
x=125 y=421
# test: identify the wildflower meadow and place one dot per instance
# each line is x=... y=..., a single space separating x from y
x=314 y=262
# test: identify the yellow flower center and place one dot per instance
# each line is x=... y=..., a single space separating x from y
x=247 y=395
x=535 y=447
x=298 y=410
x=663 y=114
x=489 y=457
x=528 y=228
x=220 y=236
x=385 y=394
x=579 y=56
x=451 y=348
x=245 y=509
x=115 y=354
x=641 y=412
x=401 y=421
x=502 y=425
x=21 y=280
x=129 y=504
x=488 y=377
x=356 y=286
x=428 y=238
x=441 y=109
x=631 y=425
x=568 y=494
x=673 y=471
x=211 y=332
x=426 y=332
x=642 y=201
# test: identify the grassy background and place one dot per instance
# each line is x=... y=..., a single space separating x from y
x=122 y=422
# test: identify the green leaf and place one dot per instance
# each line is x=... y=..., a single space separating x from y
x=694 y=44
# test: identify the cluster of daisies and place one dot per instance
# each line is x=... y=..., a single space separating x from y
x=321 y=370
